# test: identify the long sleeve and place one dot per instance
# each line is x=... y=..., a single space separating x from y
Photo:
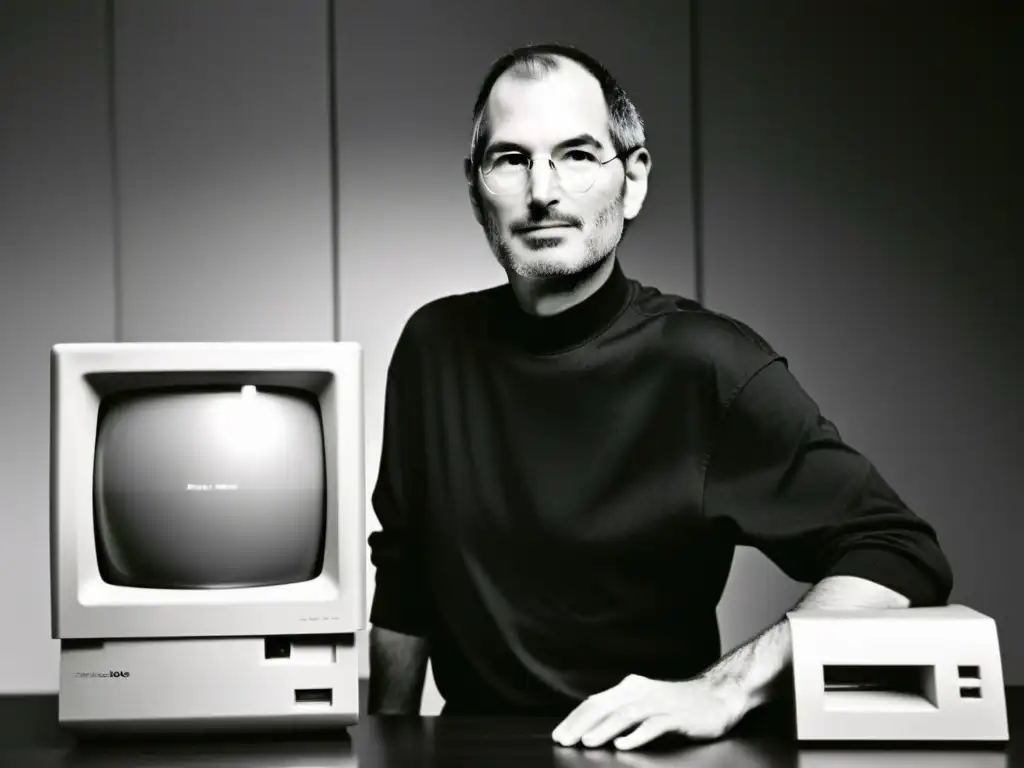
x=784 y=482
x=400 y=600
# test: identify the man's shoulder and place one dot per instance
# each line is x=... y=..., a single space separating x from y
x=445 y=315
x=702 y=336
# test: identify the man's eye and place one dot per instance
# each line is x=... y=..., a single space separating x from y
x=510 y=161
x=578 y=158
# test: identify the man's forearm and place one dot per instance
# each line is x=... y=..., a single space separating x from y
x=754 y=669
x=398 y=668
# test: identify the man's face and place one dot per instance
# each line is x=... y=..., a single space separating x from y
x=531 y=118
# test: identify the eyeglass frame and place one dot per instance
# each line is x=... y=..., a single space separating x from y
x=551 y=162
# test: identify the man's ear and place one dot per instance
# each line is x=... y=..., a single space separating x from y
x=638 y=170
x=474 y=194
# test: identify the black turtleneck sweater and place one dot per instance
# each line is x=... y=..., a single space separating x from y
x=560 y=497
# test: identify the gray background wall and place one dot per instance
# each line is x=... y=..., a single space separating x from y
x=56 y=283
x=223 y=150
x=861 y=200
x=165 y=173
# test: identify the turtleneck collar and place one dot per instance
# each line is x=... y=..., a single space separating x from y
x=565 y=330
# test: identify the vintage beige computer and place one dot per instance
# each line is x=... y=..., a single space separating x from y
x=207 y=534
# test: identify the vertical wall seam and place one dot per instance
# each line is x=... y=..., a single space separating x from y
x=696 y=152
x=115 y=172
x=332 y=101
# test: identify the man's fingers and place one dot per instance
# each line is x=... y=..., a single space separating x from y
x=617 y=721
x=568 y=731
x=587 y=715
x=647 y=731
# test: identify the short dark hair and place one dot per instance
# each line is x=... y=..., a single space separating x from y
x=625 y=123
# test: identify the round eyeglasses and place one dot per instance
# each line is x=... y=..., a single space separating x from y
x=575 y=169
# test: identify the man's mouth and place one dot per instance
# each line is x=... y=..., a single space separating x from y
x=539 y=227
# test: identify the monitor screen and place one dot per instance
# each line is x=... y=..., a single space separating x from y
x=209 y=488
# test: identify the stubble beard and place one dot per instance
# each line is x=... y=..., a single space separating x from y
x=596 y=248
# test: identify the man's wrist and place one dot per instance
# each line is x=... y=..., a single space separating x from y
x=746 y=676
x=737 y=697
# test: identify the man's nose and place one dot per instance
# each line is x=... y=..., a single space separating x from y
x=543 y=183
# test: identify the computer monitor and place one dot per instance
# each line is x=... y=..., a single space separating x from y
x=207 y=555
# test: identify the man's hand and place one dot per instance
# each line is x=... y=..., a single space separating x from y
x=710 y=704
x=698 y=708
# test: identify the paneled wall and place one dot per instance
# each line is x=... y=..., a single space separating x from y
x=166 y=176
x=223 y=159
x=56 y=285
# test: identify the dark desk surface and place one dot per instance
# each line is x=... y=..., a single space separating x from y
x=29 y=737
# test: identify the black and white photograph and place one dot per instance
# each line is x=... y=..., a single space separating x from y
x=567 y=384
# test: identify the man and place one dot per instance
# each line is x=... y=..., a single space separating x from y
x=570 y=459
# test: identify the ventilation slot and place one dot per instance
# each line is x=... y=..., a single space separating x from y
x=321 y=696
x=969 y=673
